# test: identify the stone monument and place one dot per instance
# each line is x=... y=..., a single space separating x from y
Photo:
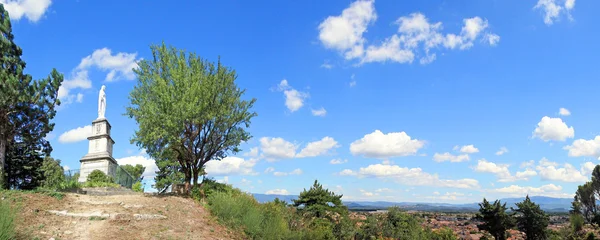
x=99 y=156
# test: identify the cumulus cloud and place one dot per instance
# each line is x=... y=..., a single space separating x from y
x=568 y=173
x=230 y=166
x=338 y=161
x=380 y=145
x=269 y=170
x=253 y=152
x=277 y=192
x=549 y=190
x=76 y=135
x=296 y=171
x=469 y=149
x=33 y=10
x=318 y=148
x=274 y=149
x=553 y=129
x=502 y=151
x=119 y=66
x=584 y=148
x=415 y=36
x=321 y=112
x=564 y=112
x=554 y=9
x=411 y=177
x=368 y=194
x=450 y=157
x=294 y=99
x=502 y=172
x=149 y=163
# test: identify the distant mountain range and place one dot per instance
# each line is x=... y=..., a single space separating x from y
x=548 y=204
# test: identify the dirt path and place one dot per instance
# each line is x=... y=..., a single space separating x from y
x=117 y=217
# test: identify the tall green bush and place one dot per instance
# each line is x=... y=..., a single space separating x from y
x=98 y=176
x=7 y=218
x=53 y=173
x=137 y=187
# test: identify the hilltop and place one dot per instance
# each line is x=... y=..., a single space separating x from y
x=132 y=216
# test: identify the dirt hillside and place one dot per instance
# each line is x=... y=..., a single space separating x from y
x=135 y=216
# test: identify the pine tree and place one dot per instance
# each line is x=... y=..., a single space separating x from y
x=26 y=106
x=318 y=201
x=495 y=219
x=531 y=219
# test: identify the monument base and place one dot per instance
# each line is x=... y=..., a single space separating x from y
x=102 y=162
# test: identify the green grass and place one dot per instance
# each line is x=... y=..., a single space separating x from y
x=101 y=184
x=96 y=218
x=7 y=221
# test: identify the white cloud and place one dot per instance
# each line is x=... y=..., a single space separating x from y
x=321 y=112
x=549 y=190
x=231 y=166
x=296 y=171
x=149 y=163
x=338 y=161
x=411 y=177
x=119 y=66
x=318 y=148
x=469 y=149
x=225 y=180
x=345 y=32
x=253 y=152
x=550 y=171
x=384 y=190
x=553 y=129
x=277 y=148
x=502 y=151
x=527 y=164
x=326 y=65
x=352 y=83
x=277 y=192
x=552 y=9
x=368 y=194
x=76 y=135
x=269 y=170
x=294 y=99
x=564 y=112
x=30 y=9
x=585 y=148
x=380 y=145
x=66 y=168
x=502 y=172
x=450 y=158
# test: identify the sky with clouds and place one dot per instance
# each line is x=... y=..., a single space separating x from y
x=437 y=101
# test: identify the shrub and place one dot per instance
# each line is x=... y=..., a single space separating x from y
x=98 y=176
x=53 y=173
x=101 y=184
x=7 y=218
x=137 y=187
x=443 y=234
x=577 y=222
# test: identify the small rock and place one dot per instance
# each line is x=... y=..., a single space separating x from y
x=68 y=232
x=74 y=222
x=51 y=239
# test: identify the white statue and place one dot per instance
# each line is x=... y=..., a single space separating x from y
x=101 y=103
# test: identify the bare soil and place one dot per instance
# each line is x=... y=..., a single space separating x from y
x=116 y=217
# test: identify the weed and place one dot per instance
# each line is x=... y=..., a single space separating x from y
x=97 y=218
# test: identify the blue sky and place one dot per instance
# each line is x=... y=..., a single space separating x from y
x=438 y=101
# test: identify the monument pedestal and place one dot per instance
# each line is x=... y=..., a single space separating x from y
x=99 y=156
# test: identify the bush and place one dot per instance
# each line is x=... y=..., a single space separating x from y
x=577 y=222
x=137 y=187
x=7 y=218
x=98 y=176
x=101 y=184
x=443 y=234
x=53 y=173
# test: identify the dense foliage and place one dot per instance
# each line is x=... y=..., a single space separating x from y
x=189 y=111
x=98 y=176
x=135 y=171
x=24 y=166
x=53 y=173
x=495 y=219
x=26 y=106
x=531 y=219
x=318 y=201
x=137 y=187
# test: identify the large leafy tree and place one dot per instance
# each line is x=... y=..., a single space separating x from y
x=318 y=201
x=26 y=106
x=53 y=173
x=23 y=166
x=531 y=219
x=586 y=196
x=189 y=108
x=494 y=219
x=135 y=171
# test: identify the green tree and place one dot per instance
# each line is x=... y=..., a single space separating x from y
x=169 y=171
x=23 y=166
x=585 y=201
x=495 y=219
x=26 y=106
x=318 y=201
x=53 y=173
x=135 y=171
x=98 y=176
x=531 y=219
x=190 y=107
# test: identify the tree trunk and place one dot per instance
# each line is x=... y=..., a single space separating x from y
x=2 y=162
x=195 y=171
x=188 y=178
